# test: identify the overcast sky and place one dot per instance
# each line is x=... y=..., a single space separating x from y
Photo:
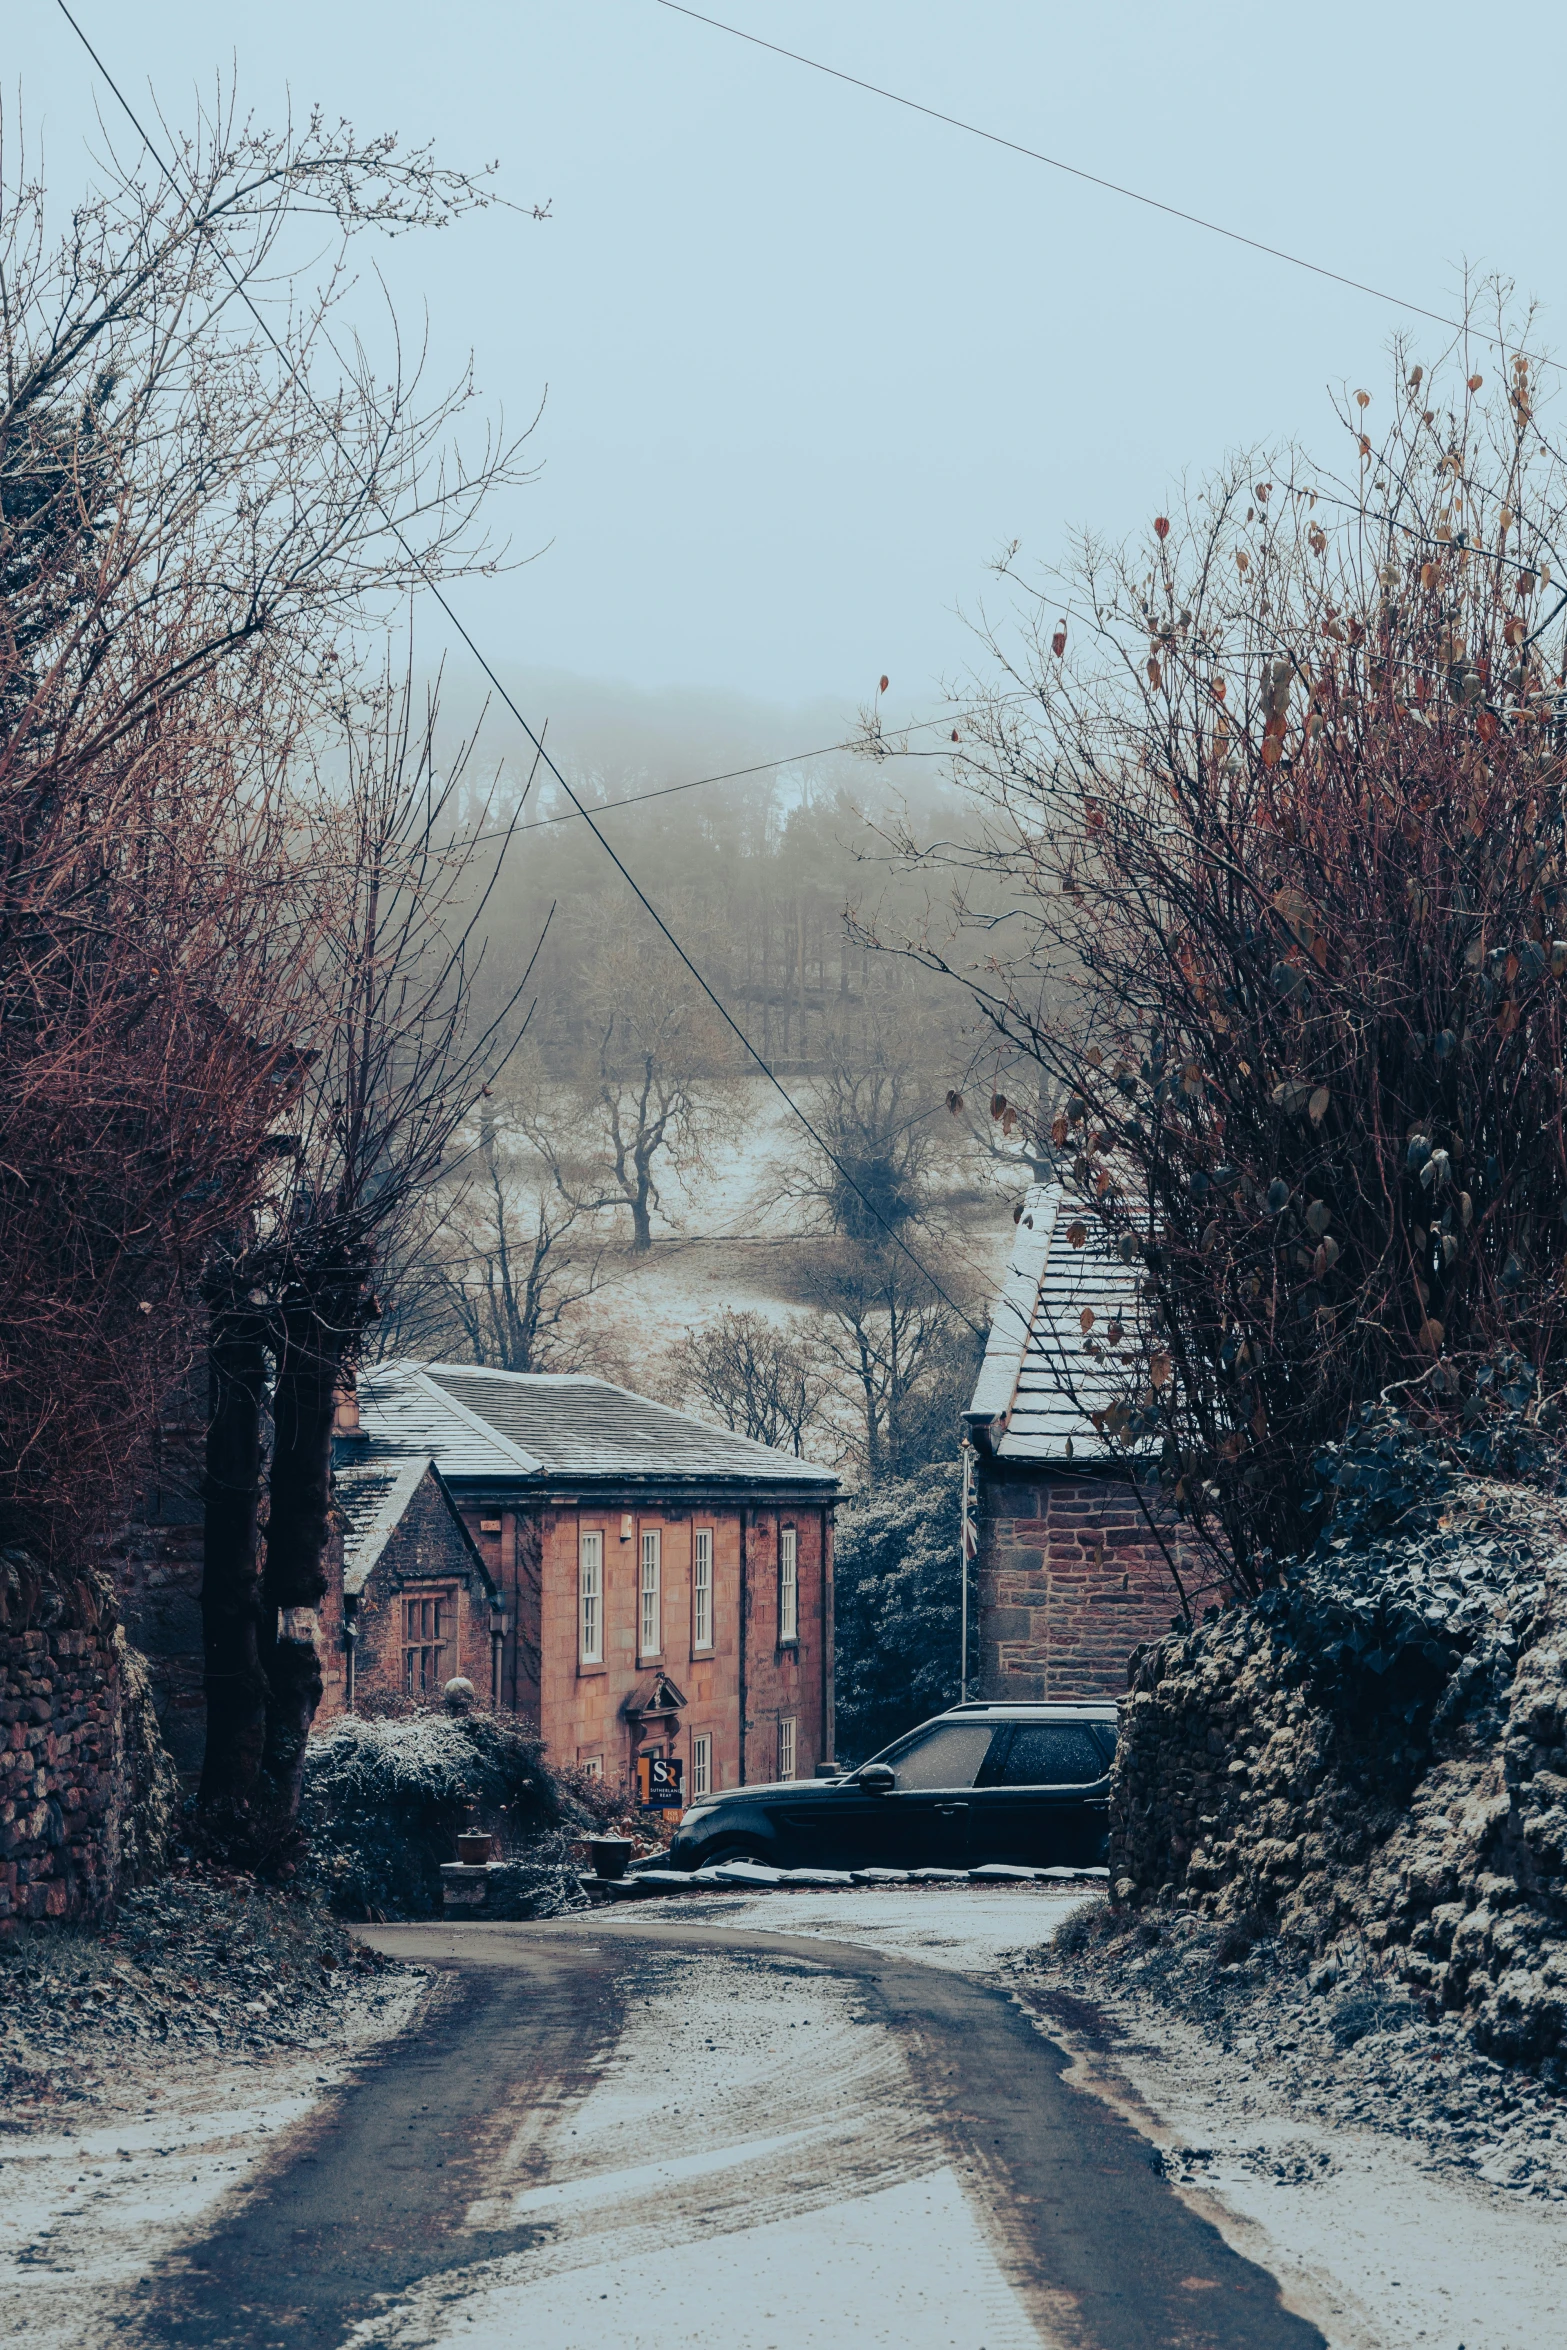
x=808 y=359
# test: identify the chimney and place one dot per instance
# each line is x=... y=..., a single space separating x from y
x=345 y=1412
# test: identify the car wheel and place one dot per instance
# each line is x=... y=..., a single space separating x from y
x=743 y=1849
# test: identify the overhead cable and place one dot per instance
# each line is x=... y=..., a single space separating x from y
x=1093 y=179
x=434 y=587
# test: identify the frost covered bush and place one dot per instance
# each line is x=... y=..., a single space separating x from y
x=384 y=1801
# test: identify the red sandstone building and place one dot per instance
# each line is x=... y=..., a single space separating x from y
x=633 y=1580
x=1068 y=1577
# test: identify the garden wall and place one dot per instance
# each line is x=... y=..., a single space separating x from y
x=88 y=1795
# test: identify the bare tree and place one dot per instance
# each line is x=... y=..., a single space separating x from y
x=763 y=1381
x=1286 y=805
x=657 y=1040
x=890 y=1335
x=517 y=1262
x=188 y=523
x=887 y=1324
x=397 y=1068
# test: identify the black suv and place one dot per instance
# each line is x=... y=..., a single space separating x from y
x=1023 y=1783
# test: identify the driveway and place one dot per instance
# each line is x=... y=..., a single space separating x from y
x=624 y=2127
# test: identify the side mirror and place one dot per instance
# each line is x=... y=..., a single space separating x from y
x=876 y=1779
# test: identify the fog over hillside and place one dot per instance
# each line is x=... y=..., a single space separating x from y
x=639 y=1190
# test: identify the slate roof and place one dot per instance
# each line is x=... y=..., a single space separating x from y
x=1037 y=1384
x=371 y=1494
x=557 y=1428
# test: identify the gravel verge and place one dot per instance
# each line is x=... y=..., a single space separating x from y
x=1360 y=2050
x=148 y=2073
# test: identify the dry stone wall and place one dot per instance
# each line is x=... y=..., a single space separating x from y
x=88 y=1796
x=60 y=1756
x=1415 y=1828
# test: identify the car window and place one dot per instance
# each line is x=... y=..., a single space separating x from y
x=948 y=1756
x=1049 y=1754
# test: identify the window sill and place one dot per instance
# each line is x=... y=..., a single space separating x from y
x=587 y=1672
x=789 y=1647
x=699 y=1655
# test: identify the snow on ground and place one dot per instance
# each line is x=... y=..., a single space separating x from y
x=728 y=1231
x=89 y=2206
x=1363 y=2237
x=964 y=1927
x=750 y=2171
x=1362 y=2234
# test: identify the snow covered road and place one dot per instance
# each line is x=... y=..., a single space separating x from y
x=751 y=2166
x=692 y=2116
x=757 y=2120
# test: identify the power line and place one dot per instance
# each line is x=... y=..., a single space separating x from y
x=1093 y=179
x=735 y=775
x=436 y=591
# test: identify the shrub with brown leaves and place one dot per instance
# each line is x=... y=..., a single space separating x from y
x=1280 y=803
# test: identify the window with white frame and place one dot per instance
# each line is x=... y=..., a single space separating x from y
x=702 y=1587
x=590 y=1595
x=649 y=1614
x=592 y=1766
x=786 y=1746
x=789 y=1584
x=701 y=1765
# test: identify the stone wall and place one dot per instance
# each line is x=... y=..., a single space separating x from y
x=1419 y=1833
x=1069 y=1582
x=61 y=1752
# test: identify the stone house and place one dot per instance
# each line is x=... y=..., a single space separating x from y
x=411 y=1604
x=631 y=1579
x=1068 y=1576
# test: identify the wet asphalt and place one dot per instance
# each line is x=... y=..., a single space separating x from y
x=377 y=2192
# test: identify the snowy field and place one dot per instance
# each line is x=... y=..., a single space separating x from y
x=728 y=1231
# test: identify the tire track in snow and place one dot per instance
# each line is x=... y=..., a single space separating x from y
x=753 y=2164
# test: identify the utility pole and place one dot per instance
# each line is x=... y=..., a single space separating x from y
x=966 y=1549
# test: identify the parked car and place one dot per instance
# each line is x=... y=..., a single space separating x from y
x=1022 y=1783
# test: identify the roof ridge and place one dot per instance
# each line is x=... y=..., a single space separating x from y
x=1012 y=1324
x=515 y=1427
x=476 y=1421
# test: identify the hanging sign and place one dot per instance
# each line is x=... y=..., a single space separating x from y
x=661 y=1782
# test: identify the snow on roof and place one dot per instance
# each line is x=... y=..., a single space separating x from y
x=483 y=1426
x=1038 y=1383
x=403 y=1412
x=371 y=1495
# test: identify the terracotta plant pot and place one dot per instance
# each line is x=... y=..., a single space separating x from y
x=473 y=1848
x=610 y=1855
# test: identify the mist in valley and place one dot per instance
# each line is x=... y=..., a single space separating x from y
x=637 y=1198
